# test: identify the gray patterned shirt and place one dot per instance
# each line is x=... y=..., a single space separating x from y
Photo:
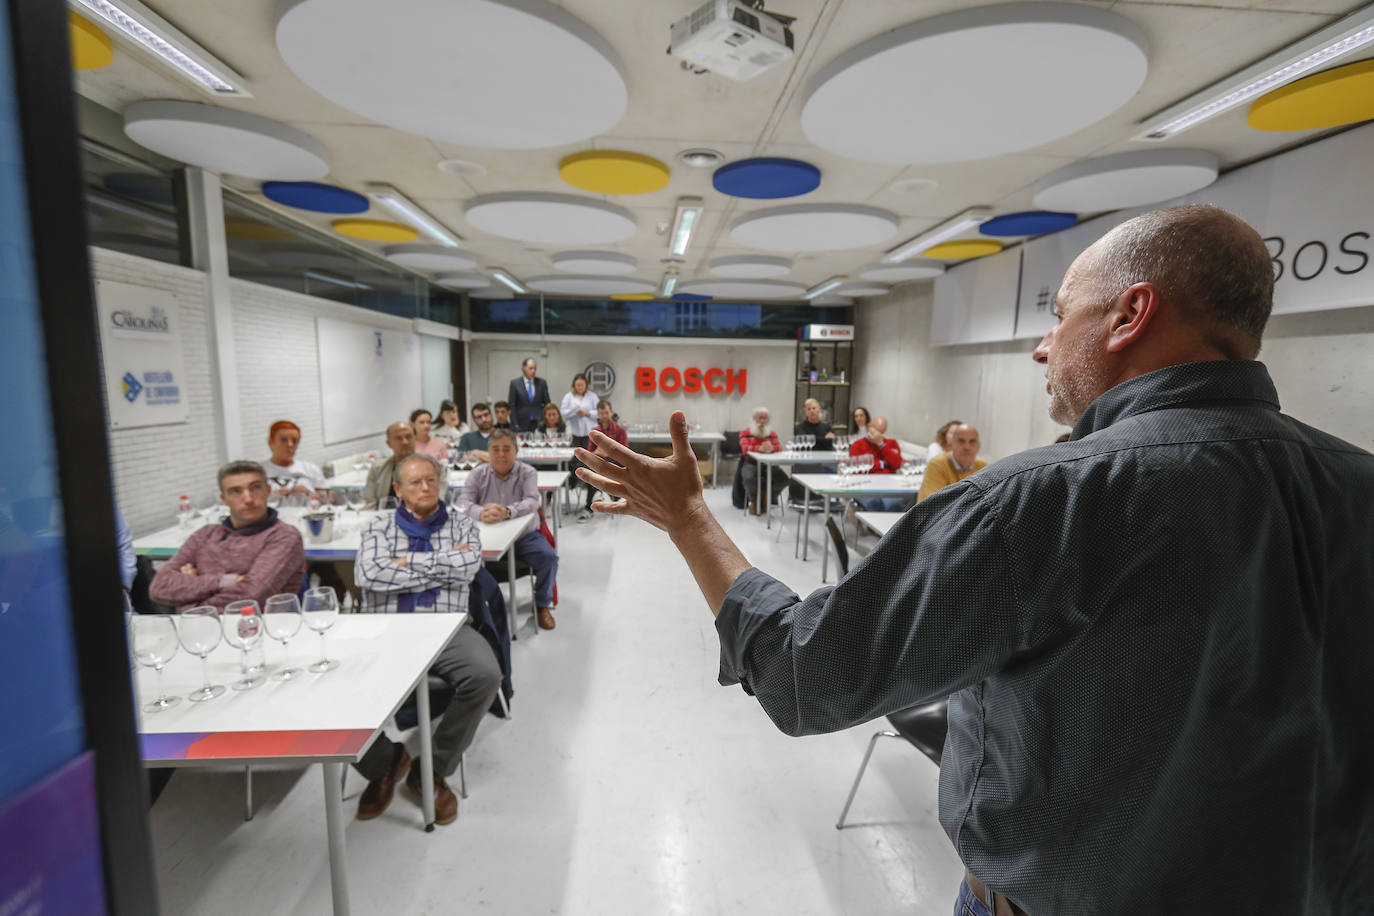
x=1158 y=643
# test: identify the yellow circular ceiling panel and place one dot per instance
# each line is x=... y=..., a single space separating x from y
x=1343 y=95
x=613 y=172
x=91 y=48
x=375 y=230
x=963 y=248
x=255 y=231
x=633 y=297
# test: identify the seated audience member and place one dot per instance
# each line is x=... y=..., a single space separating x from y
x=422 y=559
x=293 y=481
x=552 y=424
x=502 y=415
x=248 y=555
x=860 y=421
x=813 y=424
x=450 y=428
x=473 y=444
x=952 y=467
x=940 y=445
x=505 y=488
x=425 y=441
x=759 y=438
x=887 y=458
x=606 y=424
x=379 y=490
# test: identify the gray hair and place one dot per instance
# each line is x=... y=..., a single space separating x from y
x=757 y=410
x=527 y=360
x=239 y=467
x=501 y=432
x=439 y=471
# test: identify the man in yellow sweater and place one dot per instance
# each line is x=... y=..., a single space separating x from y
x=956 y=464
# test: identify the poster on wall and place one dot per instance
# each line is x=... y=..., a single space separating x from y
x=140 y=341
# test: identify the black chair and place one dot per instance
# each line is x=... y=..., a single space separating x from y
x=924 y=727
x=500 y=571
x=841 y=549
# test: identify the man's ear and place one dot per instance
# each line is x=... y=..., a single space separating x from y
x=1131 y=315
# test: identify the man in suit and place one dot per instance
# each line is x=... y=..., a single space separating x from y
x=528 y=395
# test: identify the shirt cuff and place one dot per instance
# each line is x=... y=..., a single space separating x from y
x=750 y=604
x=227 y=579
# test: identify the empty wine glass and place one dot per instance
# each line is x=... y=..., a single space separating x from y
x=321 y=609
x=200 y=632
x=281 y=618
x=154 y=637
x=241 y=623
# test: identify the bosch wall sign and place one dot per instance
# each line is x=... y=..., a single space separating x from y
x=691 y=381
x=600 y=378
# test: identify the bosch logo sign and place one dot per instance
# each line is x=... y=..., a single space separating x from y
x=600 y=378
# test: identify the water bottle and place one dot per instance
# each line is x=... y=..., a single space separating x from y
x=185 y=510
x=253 y=658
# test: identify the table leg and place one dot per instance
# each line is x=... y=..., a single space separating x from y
x=247 y=793
x=767 y=471
x=825 y=542
x=557 y=510
x=796 y=535
x=715 y=462
x=510 y=576
x=426 y=753
x=806 y=532
x=334 y=823
x=758 y=485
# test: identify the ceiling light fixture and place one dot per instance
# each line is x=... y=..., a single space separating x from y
x=337 y=281
x=700 y=158
x=684 y=224
x=409 y=211
x=669 y=284
x=155 y=35
x=823 y=287
x=962 y=223
x=1321 y=47
x=505 y=279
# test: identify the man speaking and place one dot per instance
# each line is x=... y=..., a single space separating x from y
x=1155 y=637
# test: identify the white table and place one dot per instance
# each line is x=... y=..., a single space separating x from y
x=712 y=439
x=785 y=460
x=855 y=486
x=880 y=522
x=497 y=540
x=330 y=719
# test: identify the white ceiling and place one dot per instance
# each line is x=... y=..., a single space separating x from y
x=670 y=110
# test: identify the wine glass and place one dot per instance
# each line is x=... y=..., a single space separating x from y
x=353 y=499
x=321 y=609
x=200 y=633
x=281 y=618
x=154 y=637
x=241 y=623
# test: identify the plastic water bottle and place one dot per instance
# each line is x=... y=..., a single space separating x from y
x=253 y=658
x=185 y=510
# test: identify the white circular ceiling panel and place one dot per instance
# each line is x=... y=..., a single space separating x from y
x=463 y=280
x=744 y=289
x=225 y=140
x=430 y=257
x=917 y=269
x=576 y=285
x=975 y=83
x=427 y=67
x=861 y=289
x=750 y=266
x=1126 y=180
x=832 y=299
x=814 y=227
x=550 y=218
x=595 y=262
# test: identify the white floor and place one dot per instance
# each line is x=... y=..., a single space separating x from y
x=628 y=782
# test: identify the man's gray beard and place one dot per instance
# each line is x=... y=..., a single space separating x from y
x=760 y=432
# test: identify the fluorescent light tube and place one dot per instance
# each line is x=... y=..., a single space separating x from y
x=505 y=279
x=684 y=224
x=337 y=281
x=669 y=284
x=1321 y=47
x=962 y=223
x=824 y=287
x=155 y=35
x=409 y=211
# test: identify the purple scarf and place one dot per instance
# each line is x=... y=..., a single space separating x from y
x=419 y=532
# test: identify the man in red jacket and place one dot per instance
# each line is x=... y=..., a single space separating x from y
x=248 y=555
x=887 y=458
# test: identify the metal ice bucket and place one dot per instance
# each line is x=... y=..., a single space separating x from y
x=319 y=526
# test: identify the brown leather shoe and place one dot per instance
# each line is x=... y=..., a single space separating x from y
x=445 y=802
x=377 y=796
x=545 y=619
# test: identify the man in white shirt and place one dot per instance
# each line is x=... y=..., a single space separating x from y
x=293 y=481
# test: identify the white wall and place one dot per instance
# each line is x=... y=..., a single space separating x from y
x=1320 y=361
x=493 y=362
x=436 y=372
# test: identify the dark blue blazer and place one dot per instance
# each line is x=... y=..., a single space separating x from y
x=524 y=413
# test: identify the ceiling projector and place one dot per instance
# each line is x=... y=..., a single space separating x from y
x=733 y=38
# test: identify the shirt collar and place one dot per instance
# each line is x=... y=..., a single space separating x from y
x=1186 y=383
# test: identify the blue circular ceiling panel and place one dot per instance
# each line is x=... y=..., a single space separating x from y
x=1030 y=222
x=766 y=178
x=314 y=196
x=690 y=297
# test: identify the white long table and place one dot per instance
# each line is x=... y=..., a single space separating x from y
x=497 y=540
x=880 y=522
x=858 y=486
x=330 y=719
x=711 y=439
x=785 y=460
